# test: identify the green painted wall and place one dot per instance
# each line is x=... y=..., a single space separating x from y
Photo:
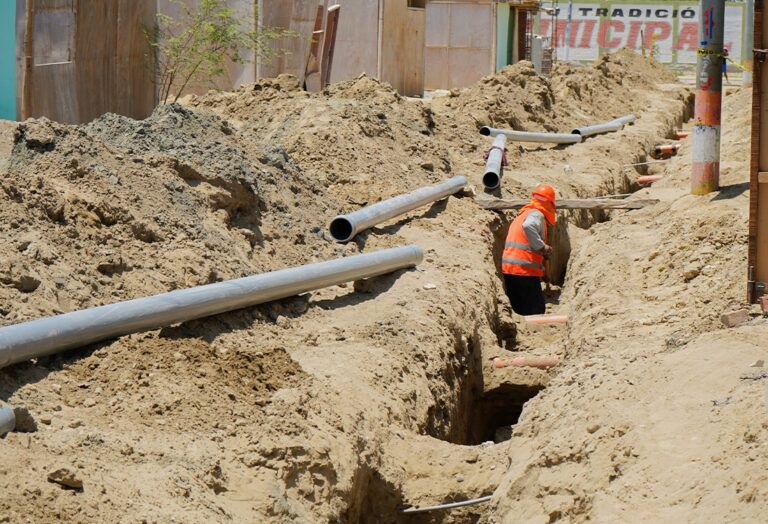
x=8 y=59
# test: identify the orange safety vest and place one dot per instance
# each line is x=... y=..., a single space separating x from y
x=519 y=258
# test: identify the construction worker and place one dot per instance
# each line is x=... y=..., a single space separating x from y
x=526 y=248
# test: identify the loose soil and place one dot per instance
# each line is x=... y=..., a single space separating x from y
x=351 y=402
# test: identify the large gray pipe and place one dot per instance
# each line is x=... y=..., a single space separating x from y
x=343 y=228
x=526 y=136
x=7 y=418
x=450 y=505
x=626 y=119
x=608 y=127
x=493 y=166
x=50 y=335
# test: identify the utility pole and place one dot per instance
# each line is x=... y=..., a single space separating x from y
x=705 y=176
x=568 y=20
x=748 y=41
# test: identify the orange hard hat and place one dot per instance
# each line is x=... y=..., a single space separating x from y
x=544 y=192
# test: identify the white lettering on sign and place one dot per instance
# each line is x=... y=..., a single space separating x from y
x=670 y=30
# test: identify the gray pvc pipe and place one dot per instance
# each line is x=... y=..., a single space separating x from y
x=343 y=228
x=450 y=505
x=7 y=418
x=614 y=125
x=493 y=167
x=526 y=136
x=608 y=127
x=626 y=119
x=50 y=335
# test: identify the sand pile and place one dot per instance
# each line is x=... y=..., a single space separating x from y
x=337 y=405
x=517 y=98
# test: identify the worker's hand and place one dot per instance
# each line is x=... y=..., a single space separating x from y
x=547 y=249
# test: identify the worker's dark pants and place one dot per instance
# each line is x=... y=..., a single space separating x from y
x=524 y=294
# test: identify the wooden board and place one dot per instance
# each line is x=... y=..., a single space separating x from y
x=568 y=204
x=402 y=48
x=459 y=43
x=758 y=192
x=90 y=59
x=357 y=40
x=298 y=16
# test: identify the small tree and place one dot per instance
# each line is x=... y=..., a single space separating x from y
x=197 y=46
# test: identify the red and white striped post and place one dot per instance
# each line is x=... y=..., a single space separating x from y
x=705 y=177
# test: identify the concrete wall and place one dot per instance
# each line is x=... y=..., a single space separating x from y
x=7 y=59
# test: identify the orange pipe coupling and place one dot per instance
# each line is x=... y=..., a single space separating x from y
x=526 y=362
x=666 y=149
x=648 y=179
x=546 y=319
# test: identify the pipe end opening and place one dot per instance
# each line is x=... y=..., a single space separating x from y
x=576 y=132
x=341 y=229
x=491 y=180
x=485 y=131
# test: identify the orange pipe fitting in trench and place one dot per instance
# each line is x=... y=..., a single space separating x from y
x=648 y=179
x=681 y=134
x=666 y=149
x=546 y=319
x=526 y=362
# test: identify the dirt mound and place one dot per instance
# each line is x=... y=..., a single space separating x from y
x=627 y=66
x=517 y=98
x=6 y=138
x=364 y=88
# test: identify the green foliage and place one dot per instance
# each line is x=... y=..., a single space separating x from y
x=196 y=47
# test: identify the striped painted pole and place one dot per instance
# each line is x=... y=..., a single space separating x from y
x=748 y=43
x=705 y=176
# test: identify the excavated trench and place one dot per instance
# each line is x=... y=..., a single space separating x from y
x=474 y=414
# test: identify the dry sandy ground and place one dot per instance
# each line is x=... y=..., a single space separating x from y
x=657 y=416
x=349 y=403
